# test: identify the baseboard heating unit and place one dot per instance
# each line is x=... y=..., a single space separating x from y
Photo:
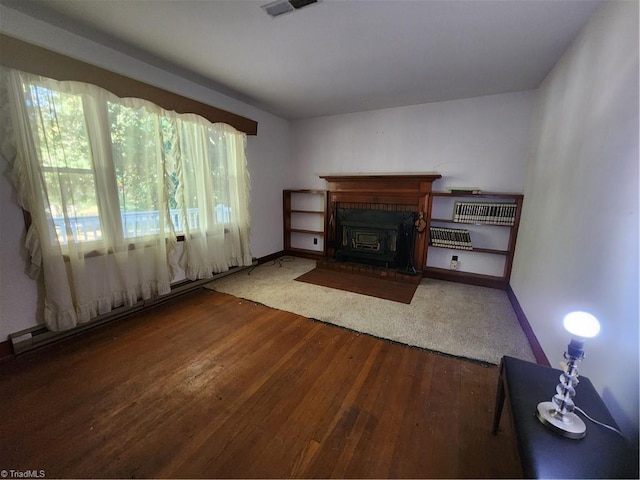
x=34 y=337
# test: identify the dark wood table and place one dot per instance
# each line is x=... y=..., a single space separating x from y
x=602 y=453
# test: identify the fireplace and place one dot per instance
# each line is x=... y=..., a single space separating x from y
x=372 y=219
x=382 y=238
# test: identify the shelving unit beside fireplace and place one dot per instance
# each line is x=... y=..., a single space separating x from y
x=305 y=222
x=490 y=220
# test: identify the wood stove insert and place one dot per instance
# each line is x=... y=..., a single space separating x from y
x=377 y=237
x=394 y=202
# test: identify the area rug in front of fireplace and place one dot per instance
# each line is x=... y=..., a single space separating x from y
x=462 y=320
x=362 y=284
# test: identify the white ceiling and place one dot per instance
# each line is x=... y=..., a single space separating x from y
x=336 y=56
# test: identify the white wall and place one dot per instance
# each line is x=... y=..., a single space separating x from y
x=476 y=141
x=267 y=155
x=578 y=244
x=479 y=142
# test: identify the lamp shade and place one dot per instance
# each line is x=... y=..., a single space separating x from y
x=581 y=324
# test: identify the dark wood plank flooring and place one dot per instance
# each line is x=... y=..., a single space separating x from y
x=208 y=385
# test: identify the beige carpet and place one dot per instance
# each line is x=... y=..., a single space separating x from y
x=462 y=320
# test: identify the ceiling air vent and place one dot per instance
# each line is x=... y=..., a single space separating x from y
x=280 y=7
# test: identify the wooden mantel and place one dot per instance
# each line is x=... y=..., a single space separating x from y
x=403 y=189
x=403 y=183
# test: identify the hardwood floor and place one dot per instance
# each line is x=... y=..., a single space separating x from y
x=212 y=386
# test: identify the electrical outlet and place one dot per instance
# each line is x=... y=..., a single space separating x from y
x=455 y=263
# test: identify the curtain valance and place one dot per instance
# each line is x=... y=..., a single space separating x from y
x=27 y=57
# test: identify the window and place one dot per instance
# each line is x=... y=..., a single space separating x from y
x=109 y=183
x=64 y=156
x=84 y=170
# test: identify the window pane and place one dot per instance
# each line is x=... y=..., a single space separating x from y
x=203 y=162
x=192 y=185
x=138 y=151
x=219 y=155
x=62 y=134
x=81 y=211
x=168 y=135
x=64 y=152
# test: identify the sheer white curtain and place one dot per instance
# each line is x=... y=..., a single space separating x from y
x=211 y=163
x=107 y=197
